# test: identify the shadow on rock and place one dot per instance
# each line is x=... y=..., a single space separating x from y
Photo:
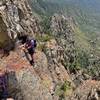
x=9 y=87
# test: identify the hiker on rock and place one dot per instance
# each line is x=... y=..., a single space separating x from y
x=31 y=45
x=28 y=44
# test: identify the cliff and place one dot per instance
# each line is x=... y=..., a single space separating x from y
x=55 y=74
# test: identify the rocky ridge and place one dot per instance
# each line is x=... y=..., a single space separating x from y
x=50 y=78
x=63 y=30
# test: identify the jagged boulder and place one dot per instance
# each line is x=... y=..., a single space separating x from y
x=54 y=53
x=89 y=90
x=16 y=18
x=62 y=28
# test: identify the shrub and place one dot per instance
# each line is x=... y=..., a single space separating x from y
x=41 y=47
x=63 y=89
x=43 y=38
x=81 y=61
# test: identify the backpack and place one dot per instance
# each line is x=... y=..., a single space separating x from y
x=35 y=43
x=32 y=43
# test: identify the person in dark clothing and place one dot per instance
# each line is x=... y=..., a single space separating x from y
x=31 y=45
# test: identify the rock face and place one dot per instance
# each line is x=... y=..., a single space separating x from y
x=44 y=81
x=24 y=81
x=40 y=82
x=59 y=74
x=62 y=29
x=89 y=90
x=16 y=18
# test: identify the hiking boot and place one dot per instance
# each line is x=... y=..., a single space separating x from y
x=32 y=62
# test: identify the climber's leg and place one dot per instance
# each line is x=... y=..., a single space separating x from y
x=31 y=52
x=32 y=56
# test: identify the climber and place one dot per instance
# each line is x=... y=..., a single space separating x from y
x=28 y=44
x=31 y=45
